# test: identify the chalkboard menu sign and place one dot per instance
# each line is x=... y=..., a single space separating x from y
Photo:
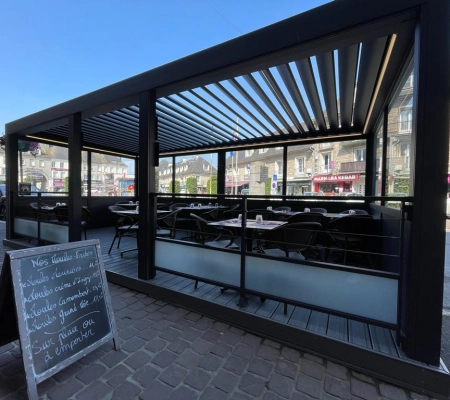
x=63 y=305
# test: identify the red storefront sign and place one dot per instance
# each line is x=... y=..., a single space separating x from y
x=336 y=178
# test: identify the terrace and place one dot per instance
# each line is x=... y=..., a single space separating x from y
x=309 y=84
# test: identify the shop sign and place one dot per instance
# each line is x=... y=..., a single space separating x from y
x=336 y=178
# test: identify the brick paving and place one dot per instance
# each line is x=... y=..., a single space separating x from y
x=168 y=352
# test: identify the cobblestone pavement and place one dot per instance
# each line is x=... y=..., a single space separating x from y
x=168 y=352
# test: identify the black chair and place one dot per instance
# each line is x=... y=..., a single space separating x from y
x=291 y=239
x=38 y=211
x=62 y=215
x=166 y=224
x=283 y=208
x=176 y=206
x=268 y=215
x=231 y=212
x=318 y=210
x=350 y=233
x=124 y=226
x=306 y=217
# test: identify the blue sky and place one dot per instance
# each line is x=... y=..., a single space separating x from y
x=55 y=50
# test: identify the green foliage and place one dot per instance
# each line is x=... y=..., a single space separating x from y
x=267 y=186
x=191 y=185
x=66 y=184
x=177 y=187
x=211 y=185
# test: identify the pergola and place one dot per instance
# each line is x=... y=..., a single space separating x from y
x=326 y=74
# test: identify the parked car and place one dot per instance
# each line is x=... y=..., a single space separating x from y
x=351 y=194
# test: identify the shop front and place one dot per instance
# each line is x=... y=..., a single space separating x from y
x=297 y=188
x=334 y=184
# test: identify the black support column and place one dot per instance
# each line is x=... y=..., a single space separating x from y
x=146 y=173
x=430 y=141
x=75 y=137
x=221 y=169
x=12 y=173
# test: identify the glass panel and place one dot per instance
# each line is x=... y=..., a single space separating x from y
x=194 y=174
x=84 y=174
x=254 y=172
x=299 y=170
x=164 y=174
x=398 y=161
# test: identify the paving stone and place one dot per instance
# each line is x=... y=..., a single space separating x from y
x=220 y=326
x=286 y=368
x=362 y=377
x=167 y=309
x=235 y=365
x=138 y=359
x=314 y=358
x=156 y=345
x=211 y=393
x=192 y=316
x=173 y=375
x=191 y=334
x=203 y=324
x=417 y=396
x=363 y=390
x=148 y=334
x=170 y=334
x=151 y=310
x=230 y=338
x=183 y=393
x=244 y=351
x=6 y=358
x=117 y=375
x=392 y=392
x=237 y=331
x=271 y=343
x=260 y=367
x=136 y=306
x=91 y=373
x=155 y=316
x=337 y=387
x=174 y=316
x=197 y=379
x=113 y=358
x=142 y=324
x=211 y=336
x=251 y=340
x=178 y=346
x=145 y=376
x=133 y=344
x=252 y=385
x=12 y=368
x=210 y=362
x=128 y=333
x=312 y=369
x=268 y=353
x=225 y=381
x=189 y=359
x=201 y=346
x=163 y=358
x=336 y=370
x=162 y=325
x=97 y=390
x=156 y=391
x=126 y=391
x=123 y=323
x=92 y=357
x=281 y=385
x=308 y=385
x=221 y=349
x=63 y=392
x=241 y=396
x=68 y=372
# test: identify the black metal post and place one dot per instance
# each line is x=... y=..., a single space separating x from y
x=75 y=137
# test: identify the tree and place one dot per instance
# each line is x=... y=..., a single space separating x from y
x=26 y=146
x=177 y=186
x=66 y=184
x=191 y=185
x=267 y=186
x=211 y=185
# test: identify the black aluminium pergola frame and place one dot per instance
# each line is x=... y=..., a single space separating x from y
x=374 y=40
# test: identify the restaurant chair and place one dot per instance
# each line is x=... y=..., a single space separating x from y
x=213 y=236
x=231 y=212
x=176 y=206
x=268 y=215
x=318 y=210
x=37 y=210
x=306 y=217
x=62 y=215
x=283 y=208
x=124 y=226
x=166 y=224
x=212 y=215
x=350 y=234
x=291 y=241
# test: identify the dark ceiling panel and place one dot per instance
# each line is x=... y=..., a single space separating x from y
x=347 y=62
x=325 y=63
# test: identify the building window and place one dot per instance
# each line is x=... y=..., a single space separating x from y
x=360 y=154
x=42 y=163
x=53 y=164
x=404 y=152
x=262 y=151
x=300 y=165
x=56 y=174
x=32 y=163
x=249 y=153
x=278 y=168
x=405 y=120
x=327 y=163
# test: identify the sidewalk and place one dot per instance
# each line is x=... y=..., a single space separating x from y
x=168 y=352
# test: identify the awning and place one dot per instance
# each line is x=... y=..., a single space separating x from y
x=236 y=183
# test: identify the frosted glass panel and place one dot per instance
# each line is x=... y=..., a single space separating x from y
x=54 y=233
x=199 y=261
x=353 y=293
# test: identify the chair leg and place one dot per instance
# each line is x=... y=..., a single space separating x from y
x=196 y=285
x=285 y=308
x=112 y=244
